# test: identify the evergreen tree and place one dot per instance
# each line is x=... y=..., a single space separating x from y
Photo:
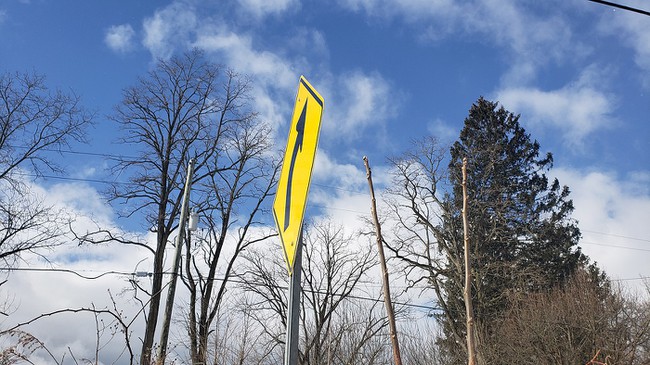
x=522 y=238
x=521 y=235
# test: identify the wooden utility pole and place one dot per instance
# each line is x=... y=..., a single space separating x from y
x=397 y=357
x=180 y=240
x=469 y=311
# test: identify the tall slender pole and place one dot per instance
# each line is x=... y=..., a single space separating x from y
x=397 y=357
x=169 y=305
x=293 y=310
x=469 y=311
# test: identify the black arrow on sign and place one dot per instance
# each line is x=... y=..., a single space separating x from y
x=300 y=128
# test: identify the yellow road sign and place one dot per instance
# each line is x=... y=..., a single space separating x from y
x=291 y=197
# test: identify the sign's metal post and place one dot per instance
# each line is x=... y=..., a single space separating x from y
x=293 y=311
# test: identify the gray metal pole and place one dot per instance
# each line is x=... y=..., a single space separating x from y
x=293 y=310
x=169 y=305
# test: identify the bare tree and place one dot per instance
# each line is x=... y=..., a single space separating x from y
x=19 y=346
x=184 y=108
x=337 y=327
x=28 y=225
x=34 y=122
x=232 y=201
x=570 y=324
x=234 y=336
x=419 y=342
x=332 y=272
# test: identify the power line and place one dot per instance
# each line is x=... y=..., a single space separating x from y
x=81 y=153
x=232 y=280
x=624 y=7
x=354 y=192
x=616 y=235
x=615 y=246
x=67 y=271
x=632 y=279
x=77 y=179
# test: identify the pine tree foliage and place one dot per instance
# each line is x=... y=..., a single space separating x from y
x=522 y=237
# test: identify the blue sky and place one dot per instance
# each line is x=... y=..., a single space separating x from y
x=390 y=71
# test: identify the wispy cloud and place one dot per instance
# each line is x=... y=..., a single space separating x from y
x=238 y=50
x=612 y=214
x=576 y=110
x=273 y=74
x=531 y=34
x=169 y=28
x=364 y=101
x=633 y=30
x=340 y=191
x=442 y=130
x=262 y=8
x=119 y=38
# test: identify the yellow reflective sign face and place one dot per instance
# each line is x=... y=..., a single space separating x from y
x=291 y=197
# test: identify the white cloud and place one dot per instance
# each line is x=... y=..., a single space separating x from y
x=363 y=101
x=532 y=34
x=633 y=30
x=577 y=110
x=345 y=176
x=119 y=38
x=368 y=100
x=82 y=199
x=262 y=8
x=169 y=28
x=272 y=74
x=32 y=293
x=443 y=131
x=411 y=10
x=239 y=51
x=354 y=101
x=340 y=190
x=3 y=16
x=612 y=215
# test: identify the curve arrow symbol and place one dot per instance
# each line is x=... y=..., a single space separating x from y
x=300 y=129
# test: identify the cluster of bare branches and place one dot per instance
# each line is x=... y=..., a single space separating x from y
x=34 y=122
x=337 y=327
x=568 y=324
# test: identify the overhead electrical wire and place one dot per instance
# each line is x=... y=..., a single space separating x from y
x=614 y=246
x=239 y=281
x=81 y=153
x=365 y=213
x=67 y=271
x=616 y=235
x=233 y=280
x=620 y=6
x=77 y=179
